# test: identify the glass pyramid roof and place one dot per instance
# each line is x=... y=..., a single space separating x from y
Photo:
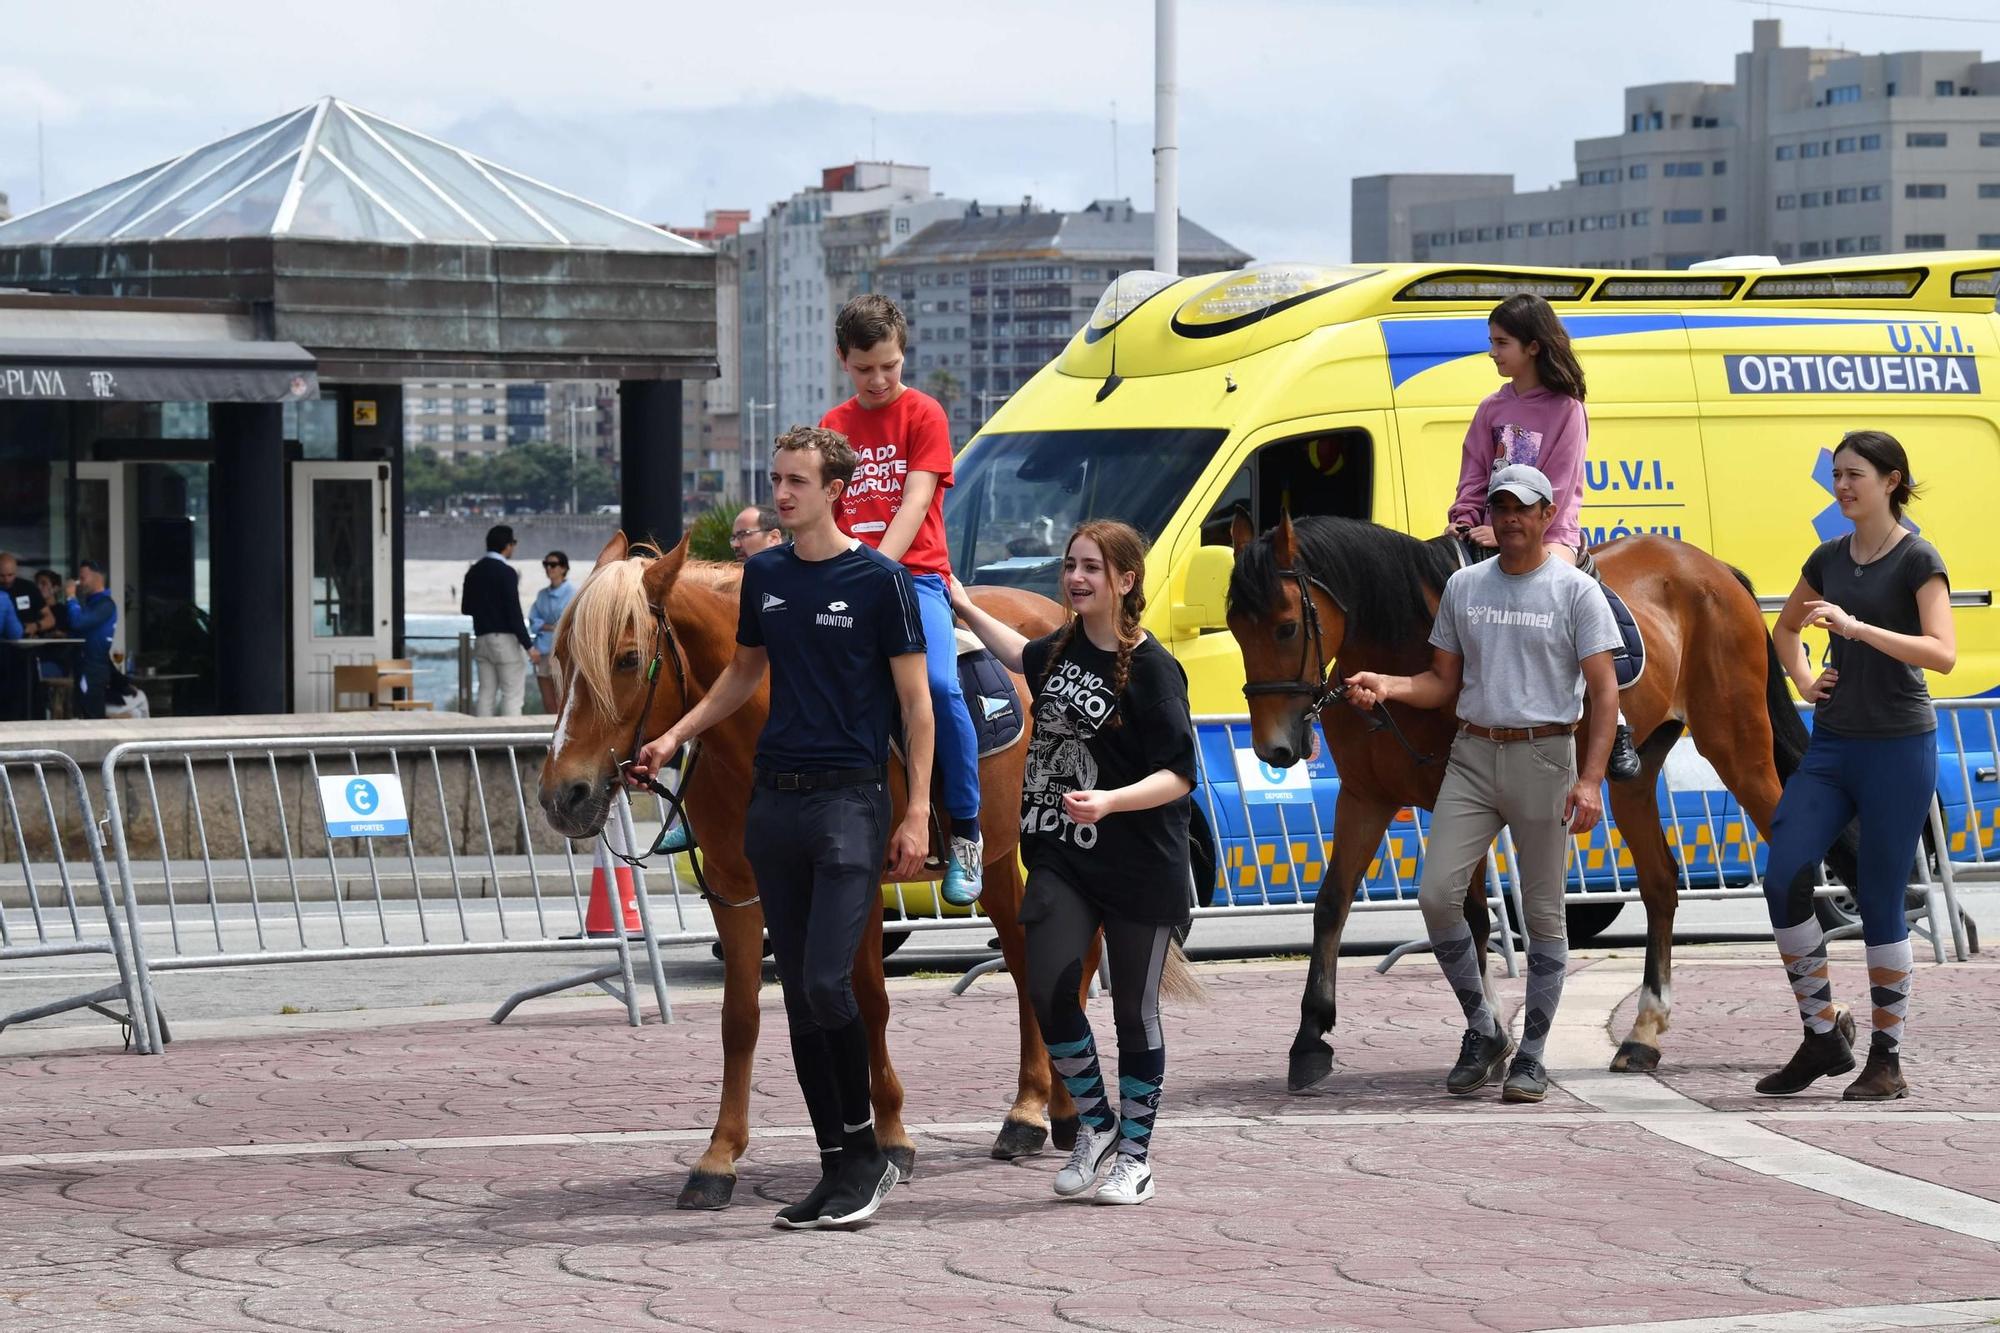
x=334 y=171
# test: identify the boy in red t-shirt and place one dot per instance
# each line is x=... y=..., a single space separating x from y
x=896 y=504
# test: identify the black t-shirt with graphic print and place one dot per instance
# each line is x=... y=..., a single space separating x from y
x=1133 y=864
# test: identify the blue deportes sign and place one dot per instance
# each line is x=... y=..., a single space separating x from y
x=363 y=805
x=1840 y=373
x=1265 y=785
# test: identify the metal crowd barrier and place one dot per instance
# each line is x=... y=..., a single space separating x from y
x=224 y=856
x=1274 y=837
x=43 y=910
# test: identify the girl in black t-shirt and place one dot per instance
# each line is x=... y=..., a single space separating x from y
x=1882 y=595
x=1104 y=834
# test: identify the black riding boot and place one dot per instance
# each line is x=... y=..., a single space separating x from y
x=1623 y=765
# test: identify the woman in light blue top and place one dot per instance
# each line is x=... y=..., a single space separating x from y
x=548 y=609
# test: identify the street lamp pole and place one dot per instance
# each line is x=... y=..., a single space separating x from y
x=751 y=408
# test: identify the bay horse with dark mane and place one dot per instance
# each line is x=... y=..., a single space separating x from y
x=644 y=638
x=1315 y=601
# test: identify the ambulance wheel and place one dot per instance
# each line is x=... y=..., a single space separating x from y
x=1586 y=921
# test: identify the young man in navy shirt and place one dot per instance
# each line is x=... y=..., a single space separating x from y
x=837 y=624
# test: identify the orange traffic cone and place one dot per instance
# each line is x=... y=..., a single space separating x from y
x=597 y=920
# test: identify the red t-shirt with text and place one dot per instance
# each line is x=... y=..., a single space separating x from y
x=910 y=434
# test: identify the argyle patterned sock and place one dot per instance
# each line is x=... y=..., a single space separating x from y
x=1459 y=961
x=1803 y=947
x=1140 y=1075
x=1076 y=1064
x=1548 y=961
x=1889 y=967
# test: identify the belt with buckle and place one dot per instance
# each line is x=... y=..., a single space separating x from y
x=1506 y=735
x=828 y=781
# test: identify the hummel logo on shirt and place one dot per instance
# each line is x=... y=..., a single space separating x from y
x=772 y=602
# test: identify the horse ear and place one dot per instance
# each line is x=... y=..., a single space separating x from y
x=1240 y=532
x=660 y=575
x=615 y=549
x=1284 y=549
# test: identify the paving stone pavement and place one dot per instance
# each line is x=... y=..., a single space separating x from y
x=435 y=1175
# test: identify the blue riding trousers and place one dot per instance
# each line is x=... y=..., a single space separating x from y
x=1890 y=781
x=957 y=745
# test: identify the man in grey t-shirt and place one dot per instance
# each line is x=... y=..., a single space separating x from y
x=1518 y=641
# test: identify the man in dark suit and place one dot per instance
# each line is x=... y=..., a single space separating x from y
x=492 y=597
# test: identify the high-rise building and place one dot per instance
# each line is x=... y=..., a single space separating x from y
x=711 y=413
x=994 y=294
x=1810 y=152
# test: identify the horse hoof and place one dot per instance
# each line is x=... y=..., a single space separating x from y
x=1017 y=1139
x=1063 y=1131
x=1635 y=1058
x=706 y=1191
x=904 y=1158
x=1309 y=1067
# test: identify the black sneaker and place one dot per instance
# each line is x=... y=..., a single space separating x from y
x=1527 y=1081
x=804 y=1215
x=1479 y=1059
x=1623 y=765
x=858 y=1191
x=1819 y=1055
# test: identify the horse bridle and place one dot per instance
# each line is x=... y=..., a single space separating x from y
x=666 y=646
x=1318 y=675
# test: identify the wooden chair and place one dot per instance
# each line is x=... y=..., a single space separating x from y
x=351 y=681
x=395 y=681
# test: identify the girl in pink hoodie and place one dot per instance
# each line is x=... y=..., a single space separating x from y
x=1536 y=418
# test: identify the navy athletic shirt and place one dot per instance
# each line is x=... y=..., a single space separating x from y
x=830 y=627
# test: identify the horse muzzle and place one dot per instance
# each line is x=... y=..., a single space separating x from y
x=576 y=808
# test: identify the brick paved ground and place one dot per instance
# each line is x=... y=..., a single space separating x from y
x=1377 y=1203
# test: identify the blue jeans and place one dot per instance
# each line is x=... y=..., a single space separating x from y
x=957 y=745
x=1890 y=780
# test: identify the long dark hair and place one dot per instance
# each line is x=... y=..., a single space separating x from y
x=1124 y=550
x=1885 y=453
x=1530 y=319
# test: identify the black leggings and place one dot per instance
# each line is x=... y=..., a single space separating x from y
x=1060 y=924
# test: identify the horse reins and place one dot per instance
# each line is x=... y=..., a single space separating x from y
x=664 y=642
x=1330 y=688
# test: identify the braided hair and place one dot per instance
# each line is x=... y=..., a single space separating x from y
x=1124 y=552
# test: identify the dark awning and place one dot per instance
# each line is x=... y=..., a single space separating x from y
x=155 y=371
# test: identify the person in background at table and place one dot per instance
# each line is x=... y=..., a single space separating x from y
x=31 y=608
x=93 y=617
x=756 y=530
x=542 y=617
x=50 y=585
x=492 y=597
x=15 y=665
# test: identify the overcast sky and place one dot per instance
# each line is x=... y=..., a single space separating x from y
x=662 y=108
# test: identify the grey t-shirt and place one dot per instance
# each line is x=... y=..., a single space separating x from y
x=1523 y=637
x=1876 y=695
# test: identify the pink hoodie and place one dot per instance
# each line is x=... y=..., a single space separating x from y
x=1542 y=428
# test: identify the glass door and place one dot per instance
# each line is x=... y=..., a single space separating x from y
x=340 y=563
x=99 y=533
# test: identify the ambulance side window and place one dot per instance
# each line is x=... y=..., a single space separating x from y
x=1328 y=473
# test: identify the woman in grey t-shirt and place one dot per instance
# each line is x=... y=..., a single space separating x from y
x=1883 y=596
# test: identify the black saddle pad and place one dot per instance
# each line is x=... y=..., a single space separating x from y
x=997 y=716
x=1630 y=661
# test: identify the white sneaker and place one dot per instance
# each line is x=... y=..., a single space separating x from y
x=1086 y=1160
x=964 y=871
x=1131 y=1182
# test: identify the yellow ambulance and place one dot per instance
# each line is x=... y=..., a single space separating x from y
x=1716 y=396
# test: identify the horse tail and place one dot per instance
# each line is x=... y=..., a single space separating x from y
x=1178 y=981
x=1789 y=738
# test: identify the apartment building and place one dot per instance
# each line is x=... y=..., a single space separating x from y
x=1811 y=152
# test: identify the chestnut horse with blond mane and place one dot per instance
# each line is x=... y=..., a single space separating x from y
x=679 y=616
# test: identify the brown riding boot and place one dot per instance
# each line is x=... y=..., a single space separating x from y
x=1820 y=1054
x=1881 y=1078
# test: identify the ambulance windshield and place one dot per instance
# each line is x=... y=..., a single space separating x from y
x=1017 y=496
